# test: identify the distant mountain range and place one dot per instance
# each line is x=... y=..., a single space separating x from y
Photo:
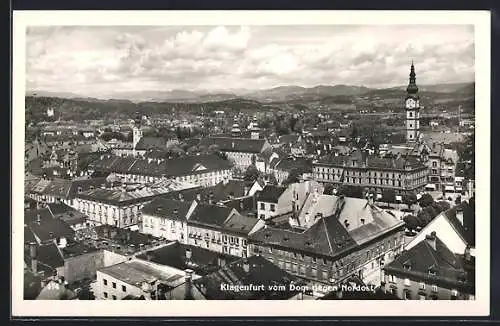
x=276 y=94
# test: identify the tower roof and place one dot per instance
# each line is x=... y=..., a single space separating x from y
x=412 y=86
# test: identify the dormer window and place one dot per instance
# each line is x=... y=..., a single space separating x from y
x=432 y=271
x=79 y=189
x=407 y=265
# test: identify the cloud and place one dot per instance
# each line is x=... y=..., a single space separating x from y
x=105 y=60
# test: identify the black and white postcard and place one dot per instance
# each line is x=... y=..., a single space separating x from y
x=287 y=159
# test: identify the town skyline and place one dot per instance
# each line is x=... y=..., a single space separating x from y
x=99 y=61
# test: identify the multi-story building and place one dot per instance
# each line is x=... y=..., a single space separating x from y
x=357 y=239
x=243 y=152
x=139 y=279
x=120 y=207
x=167 y=218
x=282 y=168
x=202 y=170
x=221 y=229
x=442 y=166
x=430 y=271
x=57 y=190
x=278 y=200
x=372 y=172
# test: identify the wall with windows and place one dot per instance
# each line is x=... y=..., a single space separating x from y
x=411 y=288
x=217 y=240
x=110 y=288
x=119 y=216
x=365 y=262
x=171 y=229
x=400 y=180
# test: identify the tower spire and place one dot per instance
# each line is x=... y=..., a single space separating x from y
x=412 y=85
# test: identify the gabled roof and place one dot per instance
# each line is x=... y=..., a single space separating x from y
x=418 y=260
x=210 y=215
x=467 y=230
x=167 y=208
x=288 y=164
x=271 y=193
x=66 y=189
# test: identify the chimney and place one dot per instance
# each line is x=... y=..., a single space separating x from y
x=460 y=215
x=187 y=284
x=211 y=198
x=34 y=262
x=38 y=218
x=246 y=266
x=198 y=197
x=221 y=262
x=431 y=239
x=181 y=197
x=467 y=254
x=188 y=254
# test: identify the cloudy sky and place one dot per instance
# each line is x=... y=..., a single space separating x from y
x=99 y=61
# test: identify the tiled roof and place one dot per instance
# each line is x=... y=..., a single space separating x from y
x=47 y=255
x=202 y=261
x=260 y=271
x=49 y=227
x=230 y=144
x=288 y=164
x=210 y=215
x=467 y=230
x=147 y=143
x=372 y=161
x=130 y=195
x=62 y=188
x=167 y=208
x=135 y=272
x=271 y=193
x=423 y=257
x=173 y=167
x=330 y=236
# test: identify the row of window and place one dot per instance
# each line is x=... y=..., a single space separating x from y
x=113 y=284
x=272 y=207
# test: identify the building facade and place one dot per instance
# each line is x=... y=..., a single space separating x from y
x=371 y=172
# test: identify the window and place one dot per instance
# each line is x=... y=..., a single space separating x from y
x=262 y=206
x=407 y=295
x=454 y=294
x=114 y=297
x=410 y=114
x=270 y=250
x=124 y=288
x=434 y=288
x=325 y=275
x=407 y=281
x=262 y=216
x=105 y=294
x=421 y=286
x=105 y=281
x=314 y=272
x=313 y=259
x=391 y=279
x=272 y=207
x=114 y=285
x=324 y=262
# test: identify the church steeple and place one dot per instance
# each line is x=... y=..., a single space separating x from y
x=412 y=86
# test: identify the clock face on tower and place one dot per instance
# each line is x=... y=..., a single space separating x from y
x=410 y=103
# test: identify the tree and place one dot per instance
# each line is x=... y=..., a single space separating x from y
x=409 y=198
x=251 y=174
x=389 y=195
x=424 y=218
x=466 y=154
x=411 y=222
x=431 y=211
x=426 y=200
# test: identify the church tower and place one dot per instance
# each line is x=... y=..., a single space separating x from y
x=412 y=106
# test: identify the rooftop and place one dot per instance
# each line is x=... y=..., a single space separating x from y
x=231 y=144
x=271 y=193
x=135 y=272
x=182 y=257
